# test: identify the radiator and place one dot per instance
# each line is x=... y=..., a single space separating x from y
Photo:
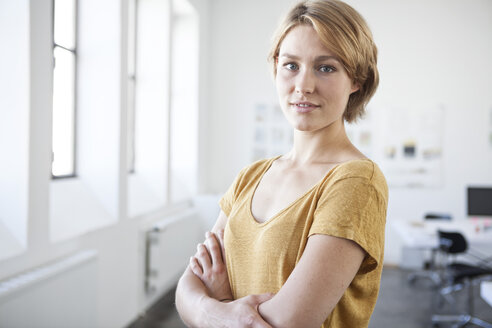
x=59 y=294
x=169 y=245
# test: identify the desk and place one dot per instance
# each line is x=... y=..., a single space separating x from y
x=422 y=235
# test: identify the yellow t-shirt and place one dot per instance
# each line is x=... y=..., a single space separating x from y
x=349 y=202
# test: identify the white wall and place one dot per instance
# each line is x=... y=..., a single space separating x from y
x=14 y=117
x=432 y=53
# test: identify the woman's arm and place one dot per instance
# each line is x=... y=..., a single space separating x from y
x=198 y=307
x=208 y=264
x=325 y=270
x=191 y=292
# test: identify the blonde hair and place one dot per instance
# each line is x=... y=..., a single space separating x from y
x=344 y=31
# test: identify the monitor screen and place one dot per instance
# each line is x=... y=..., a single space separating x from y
x=479 y=201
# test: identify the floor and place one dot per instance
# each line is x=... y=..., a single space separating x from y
x=399 y=305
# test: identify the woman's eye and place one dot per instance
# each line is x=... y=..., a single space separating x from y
x=326 y=69
x=291 y=66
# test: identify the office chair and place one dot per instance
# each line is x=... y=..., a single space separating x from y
x=432 y=269
x=458 y=276
x=437 y=216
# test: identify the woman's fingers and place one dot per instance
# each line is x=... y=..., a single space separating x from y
x=254 y=319
x=209 y=258
x=261 y=324
x=203 y=257
x=214 y=249
x=195 y=267
x=257 y=299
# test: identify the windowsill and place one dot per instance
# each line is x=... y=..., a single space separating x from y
x=9 y=246
x=75 y=210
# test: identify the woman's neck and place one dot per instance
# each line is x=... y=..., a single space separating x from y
x=329 y=145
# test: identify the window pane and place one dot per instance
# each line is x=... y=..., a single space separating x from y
x=184 y=102
x=64 y=28
x=63 y=113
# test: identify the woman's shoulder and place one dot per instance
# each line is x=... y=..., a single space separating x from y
x=364 y=171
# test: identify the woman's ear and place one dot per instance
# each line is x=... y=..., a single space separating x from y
x=355 y=87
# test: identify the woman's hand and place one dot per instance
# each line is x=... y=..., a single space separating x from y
x=240 y=313
x=209 y=265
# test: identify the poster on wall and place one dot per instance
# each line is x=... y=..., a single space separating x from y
x=411 y=148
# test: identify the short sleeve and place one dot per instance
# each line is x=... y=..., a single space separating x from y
x=230 y=195
x=354 y=208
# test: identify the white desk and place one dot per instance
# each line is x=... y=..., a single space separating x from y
x=420 y=236
x=423 y=234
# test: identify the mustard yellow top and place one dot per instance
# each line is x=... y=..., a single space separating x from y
x=349 y=202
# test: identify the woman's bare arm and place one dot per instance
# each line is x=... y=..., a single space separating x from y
x=198 y=307
x=325 y=270
x=208 y=264
x=191 y=291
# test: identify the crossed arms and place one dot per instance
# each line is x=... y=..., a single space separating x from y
x=325 y=270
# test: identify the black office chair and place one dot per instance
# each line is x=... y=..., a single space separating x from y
x=437 y=216
x=458 y=276
x=431 y=268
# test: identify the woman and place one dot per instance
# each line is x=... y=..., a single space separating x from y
x=304 y=232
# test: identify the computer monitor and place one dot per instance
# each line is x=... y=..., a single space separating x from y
x=480 y=202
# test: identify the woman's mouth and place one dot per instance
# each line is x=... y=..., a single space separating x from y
x=304 y=107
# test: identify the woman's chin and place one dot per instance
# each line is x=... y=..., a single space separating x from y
x=305 y=127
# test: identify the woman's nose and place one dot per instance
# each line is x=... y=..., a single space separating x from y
x=305 y=82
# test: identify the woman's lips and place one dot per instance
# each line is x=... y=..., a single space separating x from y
x=304 y=107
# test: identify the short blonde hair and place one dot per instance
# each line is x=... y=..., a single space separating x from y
x=345 y=32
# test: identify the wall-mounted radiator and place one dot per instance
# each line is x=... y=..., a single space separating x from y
x=59 y=294
x=169 y=245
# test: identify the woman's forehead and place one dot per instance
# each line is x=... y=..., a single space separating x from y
x=303 y=40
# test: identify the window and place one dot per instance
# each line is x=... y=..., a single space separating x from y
x=90 y=200
x=162 y=130
x=64 y=76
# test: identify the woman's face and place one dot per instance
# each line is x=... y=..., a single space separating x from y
x=312 y=85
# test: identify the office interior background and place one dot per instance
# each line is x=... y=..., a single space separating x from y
x=114 y=155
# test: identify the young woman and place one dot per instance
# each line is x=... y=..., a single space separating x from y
x=304 y=232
